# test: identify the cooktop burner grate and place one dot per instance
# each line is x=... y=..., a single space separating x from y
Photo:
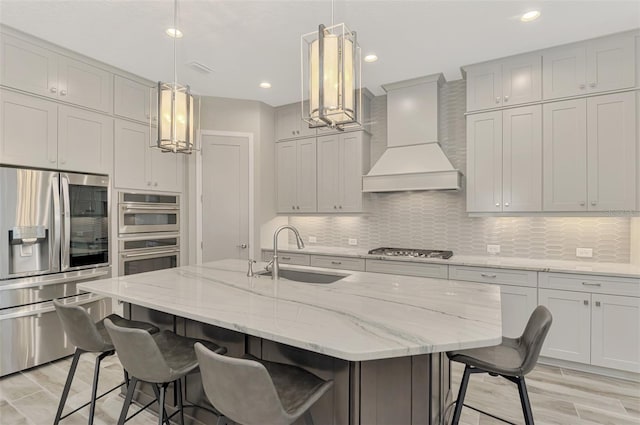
x=417 y=253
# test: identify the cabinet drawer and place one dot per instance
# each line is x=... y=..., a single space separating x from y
x=491 y=275
x=344 y=263
x=590 y=283
x=287 y=258
x=439 y=271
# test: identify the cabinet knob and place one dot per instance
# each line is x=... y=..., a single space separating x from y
x=506 y=204
x=582 y=204
x=53 y=90
x=297 y=131
x=148 y=183
x=63 y=92
x=586 y=302
x=594 y=203
x=497 y=204
x=597 y=303
x=298 y=207
x=335 y=207
x=592 y=85
x=339 y=207
x=293 y=132
x=498 y=99
x=293 y=207
x=506 y=98
x=582 y=86
x=155 y=184
x=52 y=161
x=148 y=116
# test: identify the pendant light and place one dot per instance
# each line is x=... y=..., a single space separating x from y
x=331 y=76
x=175 y=107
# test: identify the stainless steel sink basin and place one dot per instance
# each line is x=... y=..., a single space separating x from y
x=307 y=277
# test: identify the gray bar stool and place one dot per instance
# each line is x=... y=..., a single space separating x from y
x=158 y=359
x=512 y=360
x=258 y=392
x=89 y=337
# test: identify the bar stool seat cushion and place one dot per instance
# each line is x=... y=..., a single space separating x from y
x=295 y=386
x=179 y=353
x=121 y=321
x=504 y=359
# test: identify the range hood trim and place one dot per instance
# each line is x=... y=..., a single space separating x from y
x=434 y=180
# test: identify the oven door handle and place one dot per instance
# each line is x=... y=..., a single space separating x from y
x=146 y=254
x=146 y=208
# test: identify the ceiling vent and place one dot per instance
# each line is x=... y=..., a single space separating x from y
x=200 y=67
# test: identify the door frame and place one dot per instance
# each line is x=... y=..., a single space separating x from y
x=249 y=138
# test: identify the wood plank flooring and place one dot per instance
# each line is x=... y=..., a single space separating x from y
x=558 y=396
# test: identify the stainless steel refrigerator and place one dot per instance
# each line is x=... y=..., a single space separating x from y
x=54 y=233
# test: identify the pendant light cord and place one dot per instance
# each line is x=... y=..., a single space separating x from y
x=331 y=12
x=175 y=37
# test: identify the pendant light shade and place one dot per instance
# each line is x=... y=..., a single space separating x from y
x=175 y=129
x=331 y=77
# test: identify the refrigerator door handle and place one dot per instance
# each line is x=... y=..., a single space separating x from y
x=66 y=227
x=54 y=258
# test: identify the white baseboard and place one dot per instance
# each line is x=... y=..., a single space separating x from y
x=605 y=371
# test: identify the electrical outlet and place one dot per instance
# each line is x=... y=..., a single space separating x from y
x=493 y=249
x=584 y=252
x=313 y=239
x=353 y=241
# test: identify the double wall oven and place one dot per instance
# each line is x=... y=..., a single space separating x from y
x=54 y=233
x=149 y=232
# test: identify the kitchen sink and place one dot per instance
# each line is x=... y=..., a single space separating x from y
x=307 y=277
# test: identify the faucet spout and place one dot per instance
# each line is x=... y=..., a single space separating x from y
x=275 y=268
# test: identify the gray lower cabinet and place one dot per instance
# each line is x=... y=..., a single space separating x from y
x=287 y=258
x=333 y=262
x=438 y=271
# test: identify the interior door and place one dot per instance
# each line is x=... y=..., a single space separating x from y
x=225 y=197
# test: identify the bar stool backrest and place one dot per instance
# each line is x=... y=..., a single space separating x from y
x=139 y=353
x=241 y=389
x=80 y=329
x=534 y=335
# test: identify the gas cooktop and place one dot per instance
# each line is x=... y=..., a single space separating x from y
x=417 y=253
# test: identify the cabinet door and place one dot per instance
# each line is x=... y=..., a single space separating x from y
x=484 y=86
x=85 y=141
x=131 y=99
x=286 y=168
x=565 y=156
x=611 y=148
x=85 y=85
x=517 y=305
x=522 y=159
x=564 y=72
x=306 y=176
x=130 y=160
x=521 y=80
x=484 y=162
x=611 y=63
x=28 y=130
x=351 y=171
x=287 y=125
x=570 y=335
x=166 y=170
x=305 y=131
x=615 y=332
x=329 y=170
x=28 y=67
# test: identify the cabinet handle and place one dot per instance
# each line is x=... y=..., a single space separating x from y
x=506 y=98
x=498 y=99
x=63 y=92
x=286 y=258
x=592 y=85
x=586 y=302
x=488 y=275
x=597 y=303
x=53 y=90
x=582 y=86
x=337 y=263
x=591 y=284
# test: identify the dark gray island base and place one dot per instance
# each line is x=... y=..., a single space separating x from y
x=395 y=391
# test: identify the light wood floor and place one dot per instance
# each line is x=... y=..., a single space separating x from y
x=558 y=397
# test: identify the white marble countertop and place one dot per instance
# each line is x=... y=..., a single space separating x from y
x=540 y=265
x=364 y=316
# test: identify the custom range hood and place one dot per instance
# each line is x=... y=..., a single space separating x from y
x=414 y=159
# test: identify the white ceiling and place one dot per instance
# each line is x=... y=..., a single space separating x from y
x=247 y=42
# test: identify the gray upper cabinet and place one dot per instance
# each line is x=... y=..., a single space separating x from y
x=589 y=67
x=40 y=71
x=289 y=123
x=296 y=176
x=132 y=100
x=590 y=154
x=511 y=81
x=504 y=160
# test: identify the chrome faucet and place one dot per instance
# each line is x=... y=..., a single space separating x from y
x=275 y=266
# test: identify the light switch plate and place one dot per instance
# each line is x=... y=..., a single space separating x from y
x=313 y=239
x=353 y=241
x=493 y=249
x=584 y=252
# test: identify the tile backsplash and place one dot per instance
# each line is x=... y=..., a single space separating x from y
x=438 y=220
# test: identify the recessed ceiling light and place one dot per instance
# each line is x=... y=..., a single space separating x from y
x=530 y=16
x=265 y=85
x=370 y=58
x=174 y=33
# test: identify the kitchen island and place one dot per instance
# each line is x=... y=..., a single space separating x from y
x=380 y=337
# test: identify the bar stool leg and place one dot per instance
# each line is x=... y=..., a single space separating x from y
x=161 y=413
x=156 y=391
x=524 y=399
x=178 y=388
x=94 y=390
x=461 y=393
x=67 y=385
x=127 y=400
x=308 y=419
